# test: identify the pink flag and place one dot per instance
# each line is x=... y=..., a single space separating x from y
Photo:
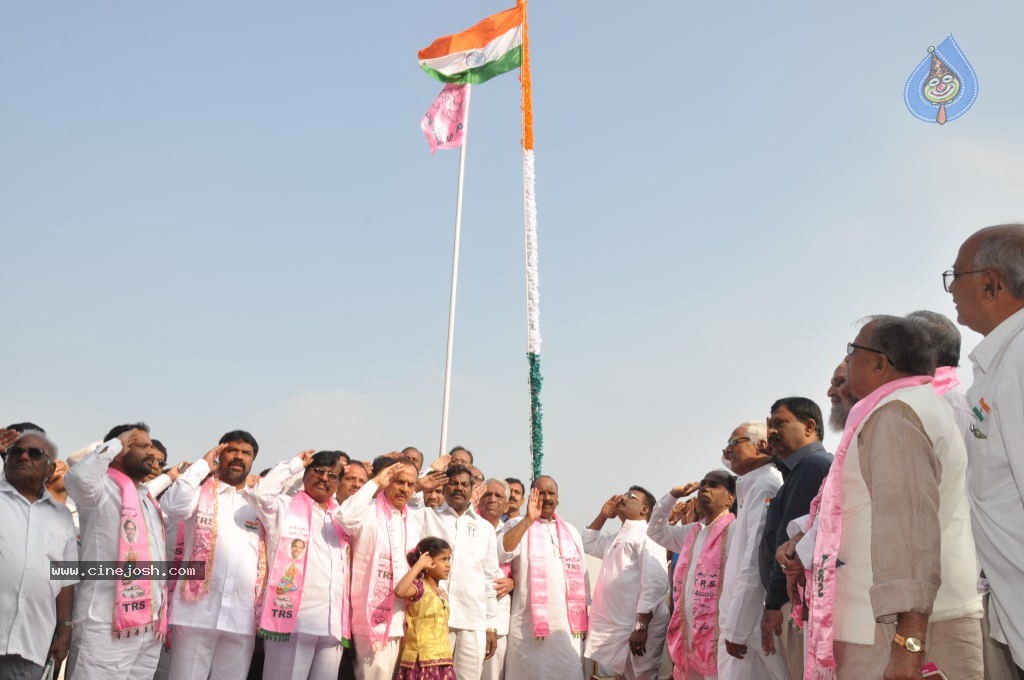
x=445 y=123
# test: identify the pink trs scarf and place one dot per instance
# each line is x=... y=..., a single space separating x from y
x=133 y=600
x=827 y=507
x=283 y=594
x=702 y=654
x=204 y=540
x=572 y=568
x=389 y=565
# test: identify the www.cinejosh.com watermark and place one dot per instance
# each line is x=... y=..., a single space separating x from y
x=127 y=571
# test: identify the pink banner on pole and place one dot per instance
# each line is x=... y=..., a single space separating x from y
x=445 y=123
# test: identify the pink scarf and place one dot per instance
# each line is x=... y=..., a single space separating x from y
x=945 y=379
x=572 y=568
x=204 y=540
x=133 y=600
x=284 y=589
x=389 y=565
x=701 y=654
x=827 y=506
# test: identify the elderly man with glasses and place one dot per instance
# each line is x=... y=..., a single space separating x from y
x=628 y=616
x=892 y=584
x=741 y=655
x=37 y=530
x=987 y=283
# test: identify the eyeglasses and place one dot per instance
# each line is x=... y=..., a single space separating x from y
x=16 y=451
x=325 y=472
x=949 y=276
x=736 y=440
x=629 y=495
x=851 y=347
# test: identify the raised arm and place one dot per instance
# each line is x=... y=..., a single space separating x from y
x=181 y=500
x=511 y=539
x=84 y=481
x=661 y=532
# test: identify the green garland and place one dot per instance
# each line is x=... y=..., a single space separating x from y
x=536 y=415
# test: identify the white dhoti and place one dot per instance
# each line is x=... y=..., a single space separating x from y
x=303 y=657
x=469 y=648
x=379 y=664
x=95 y=653
x=205 y=653
x=755 y=664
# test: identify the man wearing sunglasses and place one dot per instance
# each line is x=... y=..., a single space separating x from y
x=628 y=616
x=213 y=623
x=37 y=530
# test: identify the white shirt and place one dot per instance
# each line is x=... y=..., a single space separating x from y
x=33 y=535
x=325 y=583
x=229 y=605
x=474 y=566
x=358 y=517
x=98 y=499
x=633 y=580
x=559 y=654
x=742 y=596
x=995 y=474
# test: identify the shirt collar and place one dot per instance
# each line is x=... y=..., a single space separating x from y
x=799 y=455
x=7 y=487
x=992 y=344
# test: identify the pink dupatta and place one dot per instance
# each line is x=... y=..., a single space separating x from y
x=702 y=654
x=133 y=599
x=389 y=565
x=827 y=507
x=573 y=570
x=283 y=595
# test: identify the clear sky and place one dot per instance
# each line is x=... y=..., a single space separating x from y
x=221 y=215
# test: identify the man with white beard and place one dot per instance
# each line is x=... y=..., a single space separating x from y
x=743 y=593
x=628 y=616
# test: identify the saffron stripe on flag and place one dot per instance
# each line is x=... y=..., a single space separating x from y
x=476 y=37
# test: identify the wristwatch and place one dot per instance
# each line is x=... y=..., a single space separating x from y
x=639 y=626
x=911 y=644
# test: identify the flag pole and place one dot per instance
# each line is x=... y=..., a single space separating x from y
x=451 y=300
x=532 y=257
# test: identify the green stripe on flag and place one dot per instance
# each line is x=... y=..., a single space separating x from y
x=512 y=59
x=536 y=414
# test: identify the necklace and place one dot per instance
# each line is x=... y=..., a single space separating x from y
x=441 y=595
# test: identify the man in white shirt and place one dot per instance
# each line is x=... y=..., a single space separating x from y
x=628 y=616
x=38 y=530
x=213 y=624
x=493 y=504
x=382 y=533
x=987 y=283
x=758 y=479
x=97 y=649
x=545 y=639
x=474 y=608
x=313 y=649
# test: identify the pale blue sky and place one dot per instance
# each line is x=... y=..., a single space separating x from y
x=221 y=215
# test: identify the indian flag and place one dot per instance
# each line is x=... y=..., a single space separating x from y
x=492 y=47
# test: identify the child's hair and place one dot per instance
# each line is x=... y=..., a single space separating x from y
x=432 y=545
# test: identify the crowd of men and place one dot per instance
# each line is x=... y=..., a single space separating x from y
x=899 y=551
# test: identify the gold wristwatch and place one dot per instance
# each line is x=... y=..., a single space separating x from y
x=911 y=644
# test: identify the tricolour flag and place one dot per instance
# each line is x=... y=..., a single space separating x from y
x=492 y=47
x=445 y=123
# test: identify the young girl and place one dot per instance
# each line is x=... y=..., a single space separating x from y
x=427 y=654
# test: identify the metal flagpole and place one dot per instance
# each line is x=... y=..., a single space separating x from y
x=451 y=300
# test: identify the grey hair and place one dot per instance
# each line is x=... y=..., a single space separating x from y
x=504 y=485
x=905 y=343
x=51 y=448
x=757 y=430
x=944 y=334
x=1002 y=250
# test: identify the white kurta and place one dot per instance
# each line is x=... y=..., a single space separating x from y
x=230 y=604
x=742 y=598
x=633 y=580
x=94 y=651
x=558 y=656
x=995 y=475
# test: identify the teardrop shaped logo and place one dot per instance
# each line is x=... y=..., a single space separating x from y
x=943 y=86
